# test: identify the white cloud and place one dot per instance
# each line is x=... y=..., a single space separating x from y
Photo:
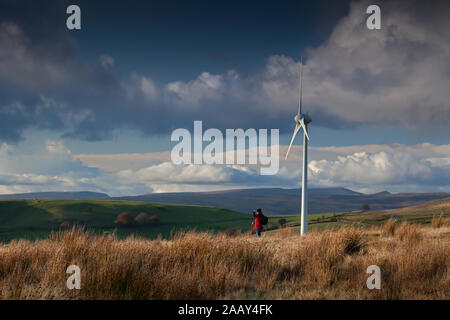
x=167 y=172
x=371 y=167
x=48 y=167
x=207 y=87
x=149 y=89
x=167 y=177
x=52 y=166
x=123 y=161
x=107 y=62
x=57 y=147
x=381 y=170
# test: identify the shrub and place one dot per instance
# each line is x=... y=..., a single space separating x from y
x=365 y=207
x=142 y=218
x=232 y=232
x=124 y=219
x=351 y=239
x=154 y=219
x=282 y=222
x=64 y=225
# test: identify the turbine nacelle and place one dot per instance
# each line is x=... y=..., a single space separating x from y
x=300 y=122
x=306 y=118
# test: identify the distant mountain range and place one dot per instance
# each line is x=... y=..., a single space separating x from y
x=85 y=195
x=271 y=200
x=287 y=201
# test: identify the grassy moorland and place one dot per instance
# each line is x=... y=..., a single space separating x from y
x=280 y=265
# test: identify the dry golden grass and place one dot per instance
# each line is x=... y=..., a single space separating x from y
x=440 y=221
x=284 y=232
x=322 y=265
x=389 y=228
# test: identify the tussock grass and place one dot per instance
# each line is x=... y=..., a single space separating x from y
x=389 y=227
x=321 y=265
x=409 y=232
x=440 y=221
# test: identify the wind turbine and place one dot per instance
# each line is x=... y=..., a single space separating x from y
x=301 y=121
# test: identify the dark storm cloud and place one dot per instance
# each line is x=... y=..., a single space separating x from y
x=43 y=84
x=354 y=78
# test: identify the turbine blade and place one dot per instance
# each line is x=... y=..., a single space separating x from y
x=297 y=127
x=300 y=71
x=302 y=123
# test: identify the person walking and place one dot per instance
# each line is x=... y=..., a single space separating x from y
x=257 y=223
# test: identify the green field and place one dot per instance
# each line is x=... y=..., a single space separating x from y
x=31 y=219
x=37 y=218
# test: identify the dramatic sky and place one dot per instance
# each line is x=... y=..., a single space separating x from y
x=93 y=109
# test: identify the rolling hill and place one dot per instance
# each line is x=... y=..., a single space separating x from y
x=422 y=213
x=37 y=218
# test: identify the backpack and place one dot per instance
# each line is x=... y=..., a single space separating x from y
x=264 y=220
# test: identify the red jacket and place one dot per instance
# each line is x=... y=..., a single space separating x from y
x=257 y=223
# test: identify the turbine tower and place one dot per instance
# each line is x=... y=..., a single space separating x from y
x=301 y=121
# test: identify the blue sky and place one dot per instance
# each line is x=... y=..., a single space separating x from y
x=175 y=40
x=137 y=70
